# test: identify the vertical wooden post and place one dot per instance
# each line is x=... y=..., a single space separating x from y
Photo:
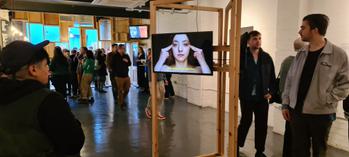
x=234 y=56
x=155 y=140
x=221 y=90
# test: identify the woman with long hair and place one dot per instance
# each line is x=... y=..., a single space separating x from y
x=59 y=68
x=140 y=68
x=101 y=70
x=88 y=66
x=182 y=56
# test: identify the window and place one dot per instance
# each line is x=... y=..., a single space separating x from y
x=91 y=38
x=104 y=29
x=36 y=32
x=52 y=33
x=74 y=38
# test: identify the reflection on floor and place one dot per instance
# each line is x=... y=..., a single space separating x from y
x=188 y=130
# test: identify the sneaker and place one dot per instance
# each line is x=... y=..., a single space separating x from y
x=161 y=117
x=148 y=112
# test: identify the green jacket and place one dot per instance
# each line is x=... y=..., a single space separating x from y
x=88 y=66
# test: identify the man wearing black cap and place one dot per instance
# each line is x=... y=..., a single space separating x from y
x=33 y=120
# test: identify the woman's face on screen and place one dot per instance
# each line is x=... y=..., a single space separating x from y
x=180 y=47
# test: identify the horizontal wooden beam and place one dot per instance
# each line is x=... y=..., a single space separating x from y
x=189 y=7
x=225 y=68
x=221 y=48
x=51 y=7
x=159 y=2
x=210 y=155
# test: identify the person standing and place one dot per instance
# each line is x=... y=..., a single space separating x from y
x=60 y=71
x=34 y=121
x=140 y=68
x=257 y=83
x=298 y=44
x=110 y=56
x=88 y=66
x=160 y=80
x=120 y=63
x=316 y=81
x=168 y=86
x=101 y=70
x=74 y=61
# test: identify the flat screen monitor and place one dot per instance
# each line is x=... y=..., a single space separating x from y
x=183 y=53
x=139 y=32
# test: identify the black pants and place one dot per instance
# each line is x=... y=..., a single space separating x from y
x=60 y=84
x=309 y=130
x=141 y=77
x=287 y=149
x=169 y=87
x=113 y=85
x=74 y=83
x=260 y=110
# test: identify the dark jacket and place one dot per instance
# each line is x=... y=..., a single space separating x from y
x=74 y=61
x=346 y=107
x=267 y=73
x=120 y=67
x=54 y=119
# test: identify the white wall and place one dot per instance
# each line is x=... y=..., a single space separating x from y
x=279 y=22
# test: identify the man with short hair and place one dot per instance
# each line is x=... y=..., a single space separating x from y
x=110 y=70
x=316 y=81
x=257 y=83
x=120 y=63
x=33 y=120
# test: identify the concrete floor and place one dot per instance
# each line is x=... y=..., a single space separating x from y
x=188 y=130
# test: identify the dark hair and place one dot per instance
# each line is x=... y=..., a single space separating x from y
x=191 y=59
x=39 y=56
x=253 y=34
x=73 y=51
x=85 y=49
x=121 y=45
x=58 y=56
x=113 y=45
x=319 y=21
x=66 y=50
x=89 y=54
x=140 y=47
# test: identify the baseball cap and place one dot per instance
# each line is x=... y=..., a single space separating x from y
x=17 y=54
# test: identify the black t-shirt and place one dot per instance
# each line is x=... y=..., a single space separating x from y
x=306 y=77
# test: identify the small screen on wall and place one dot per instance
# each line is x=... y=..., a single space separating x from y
x=183 y=53
x=139 y=32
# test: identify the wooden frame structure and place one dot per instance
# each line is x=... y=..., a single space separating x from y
x=226 y=53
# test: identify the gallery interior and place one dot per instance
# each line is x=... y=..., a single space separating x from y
x=195 y=124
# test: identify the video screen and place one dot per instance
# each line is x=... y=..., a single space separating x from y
x=139 y=32
x=183 y=53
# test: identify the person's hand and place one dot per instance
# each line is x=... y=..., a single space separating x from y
x=164 y=53
x=163 y=57
x=267 y=96
x=125 y=60
x=286 y=114
x=198 y=54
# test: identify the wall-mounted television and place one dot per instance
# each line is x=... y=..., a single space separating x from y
x=183 y=53
x=139 y=31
